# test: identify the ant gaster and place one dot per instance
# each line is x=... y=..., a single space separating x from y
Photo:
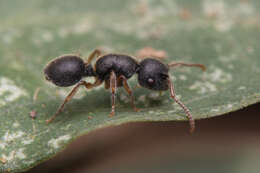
x=114 y=70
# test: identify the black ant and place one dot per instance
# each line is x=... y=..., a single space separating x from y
x=114 y=70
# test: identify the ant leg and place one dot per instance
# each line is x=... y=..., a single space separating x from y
x=137 y=86
x=129 y=91
x=94 y=54
x=107 y=84
x=67 y=99
x=90 y=85
x=71 y=94
x=186 y=110
x=113 y=87
x=177 y=64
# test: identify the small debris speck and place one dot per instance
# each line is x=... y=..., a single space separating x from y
x=151 y=52
x=33 y=114
x=141 y=9
x=3 y=160
x=185 y=14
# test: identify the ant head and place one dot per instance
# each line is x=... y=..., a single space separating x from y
x=65 y=71
x=153 y=74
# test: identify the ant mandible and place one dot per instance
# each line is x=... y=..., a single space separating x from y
x=114 y=70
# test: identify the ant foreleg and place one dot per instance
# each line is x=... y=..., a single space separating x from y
x=129 y=91
x=186 y=110
x=113 y=87
x=178 y=64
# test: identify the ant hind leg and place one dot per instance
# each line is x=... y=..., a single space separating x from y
x=71 y=94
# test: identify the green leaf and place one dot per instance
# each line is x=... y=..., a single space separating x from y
x=223 y=35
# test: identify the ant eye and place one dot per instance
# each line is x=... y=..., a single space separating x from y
x=150 y=80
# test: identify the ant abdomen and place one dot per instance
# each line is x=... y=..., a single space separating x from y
x=65 y=71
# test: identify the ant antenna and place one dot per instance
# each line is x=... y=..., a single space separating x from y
x=186 y=110
x=178 y=64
